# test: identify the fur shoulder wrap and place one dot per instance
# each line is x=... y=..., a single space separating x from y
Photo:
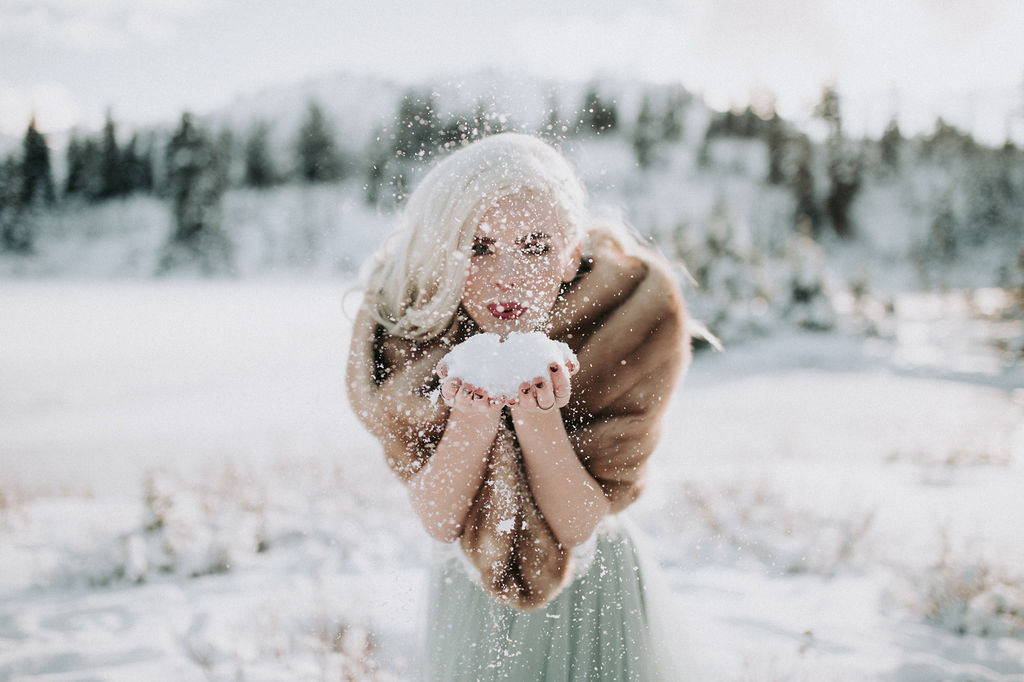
x=625 y=320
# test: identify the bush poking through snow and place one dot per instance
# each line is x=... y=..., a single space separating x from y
x=225 y=519
x=753 y=519
x=968 y=593
x=745 y=289
x=283 y=641
x=939 y=467
x=197 y=530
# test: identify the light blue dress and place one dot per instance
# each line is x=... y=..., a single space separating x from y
x=611 y=623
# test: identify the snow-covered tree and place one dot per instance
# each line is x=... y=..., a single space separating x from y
x=555 y=127
x=77 y=167
x=731 y=297
x=890 y=146
x=802 y=185
x=137 y=162
x=672 y=119
x=316 y=151
x=14 y=231
x=776 y=141
x=646 y=134
x=415 y=130
x=112 y=182
x=259 y=165
x=28 y=189
x=36 y=177
x=844 y=164
x=803 y=299
x=598 y=115
x=197 y=182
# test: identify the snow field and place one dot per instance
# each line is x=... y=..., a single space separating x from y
x=186 y=495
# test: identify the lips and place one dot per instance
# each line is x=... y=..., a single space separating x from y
x=505 y=310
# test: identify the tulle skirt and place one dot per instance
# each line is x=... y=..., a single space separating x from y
x=613 y=622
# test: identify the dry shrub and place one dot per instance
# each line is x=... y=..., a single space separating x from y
x=742 y=518
x=967 y=591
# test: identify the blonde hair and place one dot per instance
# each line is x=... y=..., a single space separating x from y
x=414 y=284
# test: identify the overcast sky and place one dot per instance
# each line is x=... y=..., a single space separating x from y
x=148 y=60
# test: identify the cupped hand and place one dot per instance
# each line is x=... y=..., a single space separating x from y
x=460 y=395
x=546 y=393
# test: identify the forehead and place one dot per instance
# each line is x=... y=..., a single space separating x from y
x=520 y=210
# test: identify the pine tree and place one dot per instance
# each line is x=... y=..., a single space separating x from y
x=197 y=182
x=458 y=131
x=415 y=134
x=554 y=127
x=137 y=163
x=486 y=121
x=112 y=175
x=224 y=142
x=259 y=166
x=829 y=111
x=672 y=121
x=75 y=162
x=317 y=153
x=36 y=177
x=806 y=215
x=14 y=232
x=378 y=154
x=775 y=140
x=890 y=145
x=844 y=165
x=645 y=136
x=92 y=175
x=597 y=116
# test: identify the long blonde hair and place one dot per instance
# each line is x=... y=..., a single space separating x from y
x=414 y=284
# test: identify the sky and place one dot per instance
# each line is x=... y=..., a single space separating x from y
x=69 y=61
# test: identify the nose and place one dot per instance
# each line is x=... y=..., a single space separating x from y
x=506 y=274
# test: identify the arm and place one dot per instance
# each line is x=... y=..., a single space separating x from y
x=569 y=497
x=443 y=491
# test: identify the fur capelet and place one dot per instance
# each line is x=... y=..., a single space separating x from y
x=625 y=320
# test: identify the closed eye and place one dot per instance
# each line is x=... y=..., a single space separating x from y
x=482 y=247
x=535 y=244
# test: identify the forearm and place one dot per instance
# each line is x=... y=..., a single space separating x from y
x=569 y=497
x=442 y=492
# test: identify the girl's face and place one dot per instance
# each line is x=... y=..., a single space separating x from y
x=522 y=252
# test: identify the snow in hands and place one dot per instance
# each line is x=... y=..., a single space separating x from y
x=499 y=366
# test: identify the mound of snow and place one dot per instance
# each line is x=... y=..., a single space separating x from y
x=499 y=367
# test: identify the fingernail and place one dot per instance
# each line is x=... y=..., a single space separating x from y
x=526 y=391
x=554 y=368
x=540 y=384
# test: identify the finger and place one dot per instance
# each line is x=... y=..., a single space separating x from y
x=449 y=389
x=572 y=367
x=441 y=370
x=464 y=397
x=478 y=399
x=524 y=398
x=543 y=394
x=560 y=383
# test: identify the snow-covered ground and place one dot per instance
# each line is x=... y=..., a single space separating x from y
x=184 y=495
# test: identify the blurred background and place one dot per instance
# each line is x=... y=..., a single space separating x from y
x=188 y=191
x=138 y=140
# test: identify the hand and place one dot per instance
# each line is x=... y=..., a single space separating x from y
x=463 y=396
x=544 y=394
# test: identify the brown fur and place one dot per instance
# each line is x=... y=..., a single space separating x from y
x=625 y=320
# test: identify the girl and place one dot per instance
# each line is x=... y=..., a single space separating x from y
x=547 y=583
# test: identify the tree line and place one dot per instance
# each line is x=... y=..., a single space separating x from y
x=192 y=166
